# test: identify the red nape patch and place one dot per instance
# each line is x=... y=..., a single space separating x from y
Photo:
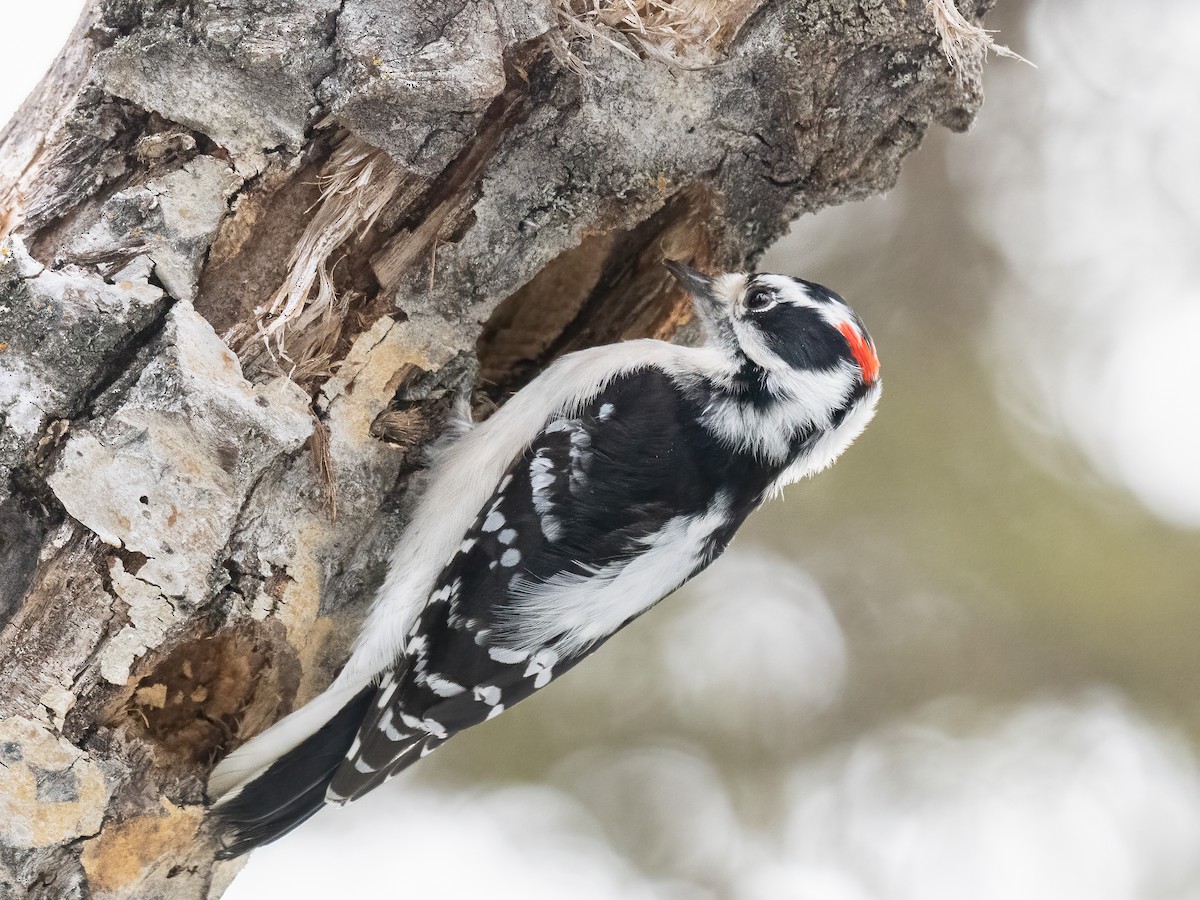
x=864 y=353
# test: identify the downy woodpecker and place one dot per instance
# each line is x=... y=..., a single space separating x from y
x=597 y=490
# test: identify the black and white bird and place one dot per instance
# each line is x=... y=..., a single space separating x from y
x=610 y=480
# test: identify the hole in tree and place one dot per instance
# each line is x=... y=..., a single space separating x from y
x=611 y=287
x=209 y=692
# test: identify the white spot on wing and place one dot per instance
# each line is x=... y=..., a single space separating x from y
x=541 y=482
x=541 y=668
x=507 y=657
x=581 y=459
x=541 y=479
x=412 y=721
x=444 y=687
x=387 y=689
x=494 y=522
x=487 y=693
x=387 y=726
x=508 y=535
x=511 y=557
x=415 y=644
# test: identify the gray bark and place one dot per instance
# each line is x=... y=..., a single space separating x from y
x=201 y=473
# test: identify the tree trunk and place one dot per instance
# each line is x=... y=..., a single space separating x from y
x=250 y=250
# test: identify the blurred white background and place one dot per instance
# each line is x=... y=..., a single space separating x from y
x=31 y=35
x=962 y=663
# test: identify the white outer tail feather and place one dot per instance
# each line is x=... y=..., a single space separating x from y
x=253 y=758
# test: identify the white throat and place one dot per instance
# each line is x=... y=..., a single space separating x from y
x=803 y=401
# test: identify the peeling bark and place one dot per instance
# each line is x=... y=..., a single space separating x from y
x=251 y=251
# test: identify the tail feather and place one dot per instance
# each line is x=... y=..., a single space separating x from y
x=262 y=797
x=242 y=837
x=253 y=758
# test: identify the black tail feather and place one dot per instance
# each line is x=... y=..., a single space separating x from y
x=241 y=837
x=293 y=788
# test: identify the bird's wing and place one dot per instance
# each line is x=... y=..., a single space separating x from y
x=607 y=511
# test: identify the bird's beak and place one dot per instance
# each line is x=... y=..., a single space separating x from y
x=696 y=283
x=710 y=309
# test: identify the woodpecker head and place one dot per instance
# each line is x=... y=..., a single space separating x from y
x=801 y=367
x=780 y=324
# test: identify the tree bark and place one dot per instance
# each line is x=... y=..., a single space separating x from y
x=249 y=252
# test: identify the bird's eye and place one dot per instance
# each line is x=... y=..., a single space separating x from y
x=759 y=299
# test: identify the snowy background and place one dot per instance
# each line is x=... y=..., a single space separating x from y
x=962 y=663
